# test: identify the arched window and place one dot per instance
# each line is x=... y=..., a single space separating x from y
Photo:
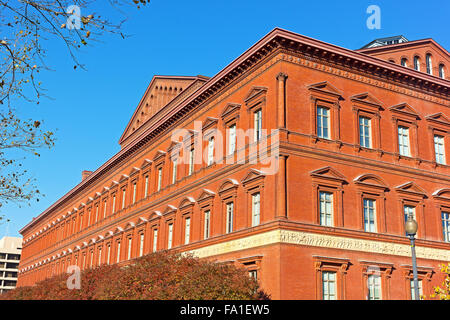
x=403 y=62
x=441 y=71
x=416 y=63
x=429 y=66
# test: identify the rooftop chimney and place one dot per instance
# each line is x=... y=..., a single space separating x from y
x=85 y=174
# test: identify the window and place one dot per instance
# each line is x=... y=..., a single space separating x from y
x=187 y=230
x=429 y=65
x=129 y=249
x=416 y=63
x=191 y=161
x=257 y=116
x=206 y=229
x=230 y=213
x=210 y=151
x=174 y=170
x=114 y=203
x=256 y=209
x=104 y=208
x=374 y=287
x=155 y=240
x=446 y=226
x=170 y=236
x=118 y=252
x=403 y=141
x=326 y=208
x=365 y=139
x=124 y=194
x=146 y=187
x=96 y=213
x=323 y=122
x=159 y=179
x=253 y=274
x=441 y=71
x=369 y=215
x=409 y=210
x=141 y=245
x=108 y=258
x=329 y=285
x=403 y=62
x=232 y=139
x=134 y=192
x=92 y=259
x=419 y=283
x=439 y=149
x=89 y=217
x=99 y=256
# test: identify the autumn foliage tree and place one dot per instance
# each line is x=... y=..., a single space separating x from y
x=443 y=292
x=157 y=276
x=26 y=26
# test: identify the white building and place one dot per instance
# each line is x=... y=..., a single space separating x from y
x=10 y=250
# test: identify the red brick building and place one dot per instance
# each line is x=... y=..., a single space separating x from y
x=359 y=139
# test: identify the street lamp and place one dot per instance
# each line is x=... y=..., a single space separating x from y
x=411 y=230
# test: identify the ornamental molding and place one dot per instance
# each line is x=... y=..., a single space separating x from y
x=322 y=241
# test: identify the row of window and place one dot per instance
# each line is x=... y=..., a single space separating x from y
x=366 y=135
x=429 y=65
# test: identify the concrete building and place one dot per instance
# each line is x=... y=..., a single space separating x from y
x=10 y=250
x=358 y=139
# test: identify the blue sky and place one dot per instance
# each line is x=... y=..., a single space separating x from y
x=90 y=109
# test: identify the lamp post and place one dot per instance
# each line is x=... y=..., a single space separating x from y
x=411 y=230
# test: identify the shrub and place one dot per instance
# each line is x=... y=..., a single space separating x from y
x=162 y=275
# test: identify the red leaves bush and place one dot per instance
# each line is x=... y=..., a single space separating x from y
x=161 y=276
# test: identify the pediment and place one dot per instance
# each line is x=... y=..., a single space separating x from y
x=109 y=234
x=134 y=170
x=405 y=109
x=113 y=184
x=100 y=238
x=158 y=155
x=229 y=109
x=438 y=117
x=328 y=173
x=206 y=194
x=141 y=221
x=118 y=230
x=186 y=202
x=411 y=187
x=255 y=93
x=443 y=193
x=228 y=184
x=326 y=88
x=169 y=209
x=123 y=177
x=252 y=175
x=368 y=99
x=159 y=93
x=371 y=180
x=129 y=225
x=209 y=122
x=146 y=163
x=155 y=215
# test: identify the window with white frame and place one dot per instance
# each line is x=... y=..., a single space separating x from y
x=256 y=209
x=124 y=194
x=230 y=214
x=146 y=187
x=403 y=141
x=191 y=161
x=323 y=122
x=104 y=208
x=403 y=62
x=257 y=118
x=326 y=208
x=407 y=211
x=134 y=192
x=174 y=170
x=419 y=285
x=100 y=256
x=374 y=287
x=170 y=236
x=439 y=149
x=369 y=215
x=108 y=258
x=232 y=139
x=129 y=248
x=206 y=227
x=114 y=203
x=429 y=64
x=441 y=71
x=159 y=178
x=155 y=240
x=187 y=230
x=416 y=63
x=365 y=139
x=329 y=285
x=210 y=151
x=96 y=213
x=141 y=244
x=118 y=252
x=446 y=225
